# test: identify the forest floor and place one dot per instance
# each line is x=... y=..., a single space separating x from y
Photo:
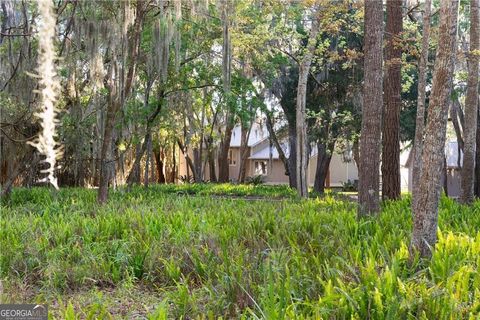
x=211 y=250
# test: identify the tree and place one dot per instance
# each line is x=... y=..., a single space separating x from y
x=393 y=102
x=223 y=167
x=425 y=211
x=420 y=118
x=471 y=108
x=301 y=124
x=116 y=96
x=370 y=139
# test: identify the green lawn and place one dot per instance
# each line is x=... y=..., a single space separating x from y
x=201 y=251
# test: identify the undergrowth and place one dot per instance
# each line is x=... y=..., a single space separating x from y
x=211 y=257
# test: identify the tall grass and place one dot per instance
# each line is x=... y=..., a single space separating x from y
x=206 y=256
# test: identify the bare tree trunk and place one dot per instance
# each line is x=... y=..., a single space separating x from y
x=28 y=160
x=197 y=164
x=106 y=153
x=471 y=108
x=454 y=115
x=134 y=175
x=420 y=119
x=210 y=158
x=274 y=139
x=190 y=165
x=174 y=165
x=393 y=101
x=242 y=172
x=370 y=136
x=477 y=162
x=159 y=164
x=148 y=160
x=301 y=123
x=292 y=158
x=324 y=156
x=211 y=166
x=424 y=235
x=356 y=154
x=199 y=158
x=153 y=171
x=445 y=176
x=223 y=167
x=100 y=130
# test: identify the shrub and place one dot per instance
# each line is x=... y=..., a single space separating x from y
x=255 y=180
x=349 y=186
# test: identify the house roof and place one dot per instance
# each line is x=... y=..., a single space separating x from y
x=264 y=154
x=258 y=133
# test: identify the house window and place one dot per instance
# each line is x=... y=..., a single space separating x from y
x=231 y=158
x=261 y=167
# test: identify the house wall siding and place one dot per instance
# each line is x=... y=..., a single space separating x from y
x=234 y=169
x=275 y=172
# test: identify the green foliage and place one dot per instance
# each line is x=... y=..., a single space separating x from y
x=349 y=186
x=206 y=256
x=255 y=180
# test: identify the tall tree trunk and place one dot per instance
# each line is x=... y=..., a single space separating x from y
x=393 y=101
x=28 y=160
x=211 y=166
x=445 y=176
x=471 y=108
x=197 y=164
x=324 y=156
x=148 y=160
x=134 y=175
x=292 y=158
x=356 y=154
x=76 y=111
x=210 y=158
x=274 y=139
x=301 y=123
x=106 y=153
x=420 y=119
x=242 y=171
x=159 y=164
x=477 y=159
x=458 y=127
x=424 y=235
x=174 y=165
x=188 y=159
x=115 y=98
x=199 y=158
x=223 y=167
x=370 y=136
x=100 y=130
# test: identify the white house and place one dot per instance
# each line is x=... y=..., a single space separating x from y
x=454 y=160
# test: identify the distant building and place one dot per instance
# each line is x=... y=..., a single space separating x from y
x=454 y=161
x=263 y=159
